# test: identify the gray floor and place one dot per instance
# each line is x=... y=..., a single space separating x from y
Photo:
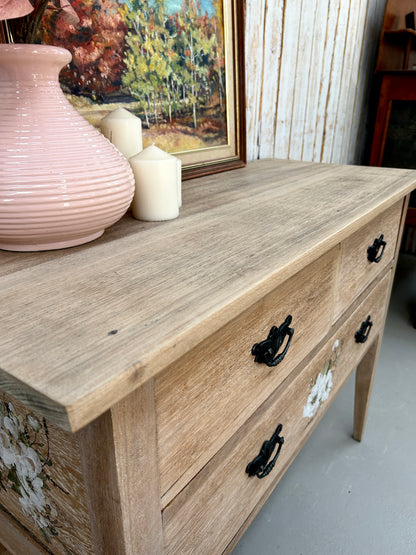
x=344 y=497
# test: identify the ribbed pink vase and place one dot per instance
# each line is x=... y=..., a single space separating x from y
x=62 y=183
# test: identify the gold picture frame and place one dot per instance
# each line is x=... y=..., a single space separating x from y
x=192 y=54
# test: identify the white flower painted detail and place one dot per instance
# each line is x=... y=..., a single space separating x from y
x=24 y=457
x=323 y=384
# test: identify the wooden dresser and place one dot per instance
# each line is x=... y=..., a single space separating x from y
x=150 y=378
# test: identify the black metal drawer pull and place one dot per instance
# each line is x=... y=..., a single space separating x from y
x=260 y=466
x=373 y=251
x=267 y=351
x=362 y=334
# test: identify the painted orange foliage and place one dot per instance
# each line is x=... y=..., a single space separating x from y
x=97 y=45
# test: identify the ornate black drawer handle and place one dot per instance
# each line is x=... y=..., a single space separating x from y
x=373 y=251
x=267 y=351
x=260 y=466
x=362 y=334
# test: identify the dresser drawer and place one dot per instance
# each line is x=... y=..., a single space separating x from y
x=356 y=269
x=205 y=397
x=203 y=518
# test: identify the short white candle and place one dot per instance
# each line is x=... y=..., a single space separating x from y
x=124 y=130
x=156 y=195
x=179 y=170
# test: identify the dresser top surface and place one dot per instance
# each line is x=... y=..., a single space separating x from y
x=83 y=327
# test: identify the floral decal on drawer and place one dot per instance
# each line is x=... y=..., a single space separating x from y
x=24 y=460
x=323 y=384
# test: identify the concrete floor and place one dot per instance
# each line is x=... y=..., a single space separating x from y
x=344 y=497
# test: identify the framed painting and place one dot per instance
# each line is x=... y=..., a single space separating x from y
x=176 y=64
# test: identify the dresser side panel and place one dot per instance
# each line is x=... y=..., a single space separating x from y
x=41 y=482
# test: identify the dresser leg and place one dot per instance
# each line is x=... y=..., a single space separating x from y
x=363 y=384
x=120 y=470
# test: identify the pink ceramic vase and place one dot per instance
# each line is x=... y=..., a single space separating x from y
x=61 y=182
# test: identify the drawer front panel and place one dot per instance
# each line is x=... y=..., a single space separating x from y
x=356 y=270
x=205 y=397
x=203 y=518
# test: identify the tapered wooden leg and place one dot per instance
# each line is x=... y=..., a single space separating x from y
x=121 y=474
x=363 y=384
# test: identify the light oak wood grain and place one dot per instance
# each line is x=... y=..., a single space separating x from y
x=356 y=271
x=362 y=391
x=63 y=488
x=99 y=468
x=177 y=282
x=219 y=380
x=221 y=497
x=134 y=429
x=364 y=380
x=15 y=540
x=366 y=370
x=142 y=343
x=121 y=475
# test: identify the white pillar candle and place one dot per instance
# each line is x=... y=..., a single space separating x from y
x=124 y=130
x=156 y=195
x=179 y=177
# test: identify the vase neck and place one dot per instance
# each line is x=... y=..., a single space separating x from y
x=32 y=61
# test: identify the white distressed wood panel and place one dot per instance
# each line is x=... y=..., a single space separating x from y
x=303 y=72
x=362 y=79
x=348 y=85
x=315 y=78
x=309 y=67
x=287 y=83
x=273 y=35
x=333 y=108
x=354 y=85
x=254 y=39
x=329 y=51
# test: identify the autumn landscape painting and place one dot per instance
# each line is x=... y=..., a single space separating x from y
x=164 y=60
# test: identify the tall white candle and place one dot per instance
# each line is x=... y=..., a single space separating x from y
x=156 y=195
x=124 y=130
